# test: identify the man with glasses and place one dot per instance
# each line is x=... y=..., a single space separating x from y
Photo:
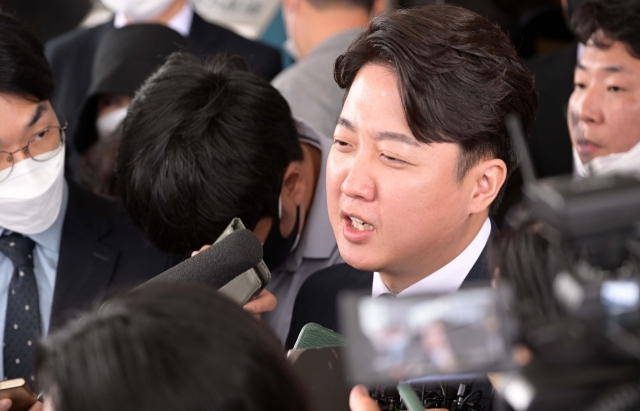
x=60 y=246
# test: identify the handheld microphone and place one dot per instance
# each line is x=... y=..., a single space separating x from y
x=216 y=266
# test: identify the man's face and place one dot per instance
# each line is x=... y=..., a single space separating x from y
x=604 y=109
x=414 y=209
x=21 y=120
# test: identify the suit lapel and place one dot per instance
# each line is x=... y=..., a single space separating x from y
x=203 y=35
x=479 y=276
x=85 y=265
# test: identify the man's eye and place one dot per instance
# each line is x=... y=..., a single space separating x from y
x=580 y=86
x=614 y=88
x=393 y=159
x=340 y=143
x=42 y=133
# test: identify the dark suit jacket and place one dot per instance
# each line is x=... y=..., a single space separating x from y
x=550 y=143
x=101 y=251
x=48 y=18
x=317 y=299
x=71 y=57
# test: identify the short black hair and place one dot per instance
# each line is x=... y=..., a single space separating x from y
x=203 y=144
x=167 y=347
x=322 y=4
x=458 y=74
x=606 y=21
x=24 y=70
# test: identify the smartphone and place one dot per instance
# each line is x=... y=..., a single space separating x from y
x=247 y=285
x=321 y=372
x=20 y=394
x=314 y=335
x=427 y=337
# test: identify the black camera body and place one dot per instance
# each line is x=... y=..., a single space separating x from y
x=589 y=356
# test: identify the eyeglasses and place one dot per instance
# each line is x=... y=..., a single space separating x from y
x=42 y=146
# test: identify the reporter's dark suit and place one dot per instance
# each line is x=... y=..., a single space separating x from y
x=317 y=299
x=71 y=57
x=101 y=251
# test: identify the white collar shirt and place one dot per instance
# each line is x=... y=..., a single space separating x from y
x=181 y=22
x=448 y=278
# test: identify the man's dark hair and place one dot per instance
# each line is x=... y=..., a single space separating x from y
x=24 y=70
x=178 y=348
x=606 y=21
x=322 y=4
x=203 y=144
x=458 y=76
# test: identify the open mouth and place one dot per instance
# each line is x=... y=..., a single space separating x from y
x=360 y=225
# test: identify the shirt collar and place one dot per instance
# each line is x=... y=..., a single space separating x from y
x=448 y=278
x=50 y=238
x=181 y=22
x=318 y=240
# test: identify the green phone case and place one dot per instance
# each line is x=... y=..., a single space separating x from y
x=314 y=335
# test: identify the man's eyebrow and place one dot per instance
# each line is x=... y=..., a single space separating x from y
x=608 y=69
x=37 y=114
x=403 y=138
x=614 y=69
x=346 y=124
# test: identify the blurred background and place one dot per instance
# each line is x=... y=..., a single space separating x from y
x=535 y=26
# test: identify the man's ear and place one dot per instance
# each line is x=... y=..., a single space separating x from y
x=294 y=185
x=489 y=176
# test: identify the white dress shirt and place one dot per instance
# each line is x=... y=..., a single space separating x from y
x=448 y=278
x=181 y=22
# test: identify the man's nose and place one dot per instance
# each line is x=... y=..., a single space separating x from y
x=359 y=182
x=589 y=107
x=20 y=155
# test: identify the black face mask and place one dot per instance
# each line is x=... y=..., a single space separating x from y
x=277 y=248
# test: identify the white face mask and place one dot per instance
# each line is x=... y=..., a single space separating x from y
x=31 y=197
x=619 y=163
x=138 y=10
x=109 y=123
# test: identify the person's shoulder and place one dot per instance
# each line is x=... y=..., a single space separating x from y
x=316 y=300
x=288 y=77
x=103 y=214
x=210 y=39
x=75 y=39
x=207 y=31
x=337 y=277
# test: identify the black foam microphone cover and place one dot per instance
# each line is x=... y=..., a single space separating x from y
x=222 y=262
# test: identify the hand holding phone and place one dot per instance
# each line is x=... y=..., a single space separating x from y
x=19 y=393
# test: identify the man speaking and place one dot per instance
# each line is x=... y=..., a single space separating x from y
x=420 y=156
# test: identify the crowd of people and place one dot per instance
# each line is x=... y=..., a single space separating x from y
x=379 y=161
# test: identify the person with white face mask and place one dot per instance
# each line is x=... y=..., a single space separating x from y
x=604 y=109
x=124 y=59
x=72 y=55
x=61 y=246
